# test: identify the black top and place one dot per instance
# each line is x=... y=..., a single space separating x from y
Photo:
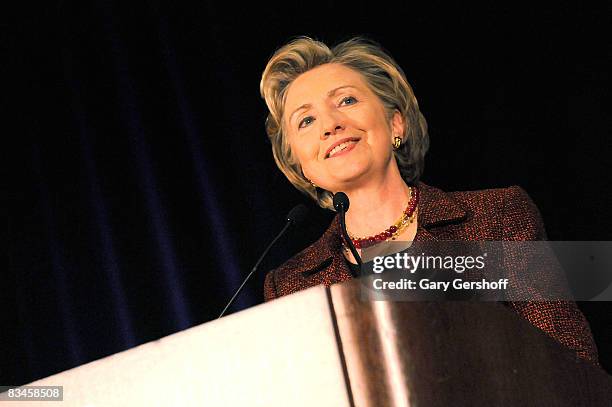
x=355 y=269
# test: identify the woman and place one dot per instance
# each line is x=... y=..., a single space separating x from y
x=346 y=119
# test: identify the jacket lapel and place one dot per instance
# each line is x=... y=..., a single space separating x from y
x=323 y=261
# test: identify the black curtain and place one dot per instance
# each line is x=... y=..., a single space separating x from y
x=141 y=185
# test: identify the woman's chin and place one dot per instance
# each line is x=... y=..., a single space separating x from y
x=343 y=173
x=345 y=179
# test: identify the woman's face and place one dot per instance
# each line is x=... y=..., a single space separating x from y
x=337 y=128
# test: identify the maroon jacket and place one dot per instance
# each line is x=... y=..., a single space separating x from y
x=503 y=214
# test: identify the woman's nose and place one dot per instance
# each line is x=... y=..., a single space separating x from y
x=336 y=128
x=333 y=123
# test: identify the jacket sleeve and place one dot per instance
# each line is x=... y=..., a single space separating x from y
x=560 y=319
x=269 y=287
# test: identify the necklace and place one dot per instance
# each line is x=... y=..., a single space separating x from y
x=396 y=229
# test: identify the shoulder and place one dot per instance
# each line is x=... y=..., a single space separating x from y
x=270 y=291
x=519 y=216
x=509 y=211
x=522 y=218
x=286 y=272
x=493 y=199
x=283 y=272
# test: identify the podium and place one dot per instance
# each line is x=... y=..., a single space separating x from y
x=325 y=346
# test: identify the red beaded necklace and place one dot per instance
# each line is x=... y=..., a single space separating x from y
x=394 y=230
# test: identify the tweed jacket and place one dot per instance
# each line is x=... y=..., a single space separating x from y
x=503 y=214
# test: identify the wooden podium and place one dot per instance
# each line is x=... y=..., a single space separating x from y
x=328 y=347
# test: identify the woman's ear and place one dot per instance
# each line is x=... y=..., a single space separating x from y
x=397 y=125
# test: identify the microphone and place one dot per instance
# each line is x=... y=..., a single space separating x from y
x=341 y=204
x=294 y=217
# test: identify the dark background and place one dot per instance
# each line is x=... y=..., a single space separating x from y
x=141 y=185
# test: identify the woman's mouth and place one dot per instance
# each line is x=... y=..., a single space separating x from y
x=343 y=147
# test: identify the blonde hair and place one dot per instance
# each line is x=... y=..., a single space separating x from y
x=382 y=74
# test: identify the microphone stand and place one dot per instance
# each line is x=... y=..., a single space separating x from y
x=294 y=217
x=231 y=301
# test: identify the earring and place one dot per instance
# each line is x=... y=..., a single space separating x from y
x=397 y=142
x=312 y=183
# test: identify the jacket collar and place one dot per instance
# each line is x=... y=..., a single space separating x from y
x=436 y=208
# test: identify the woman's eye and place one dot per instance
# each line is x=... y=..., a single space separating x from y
x=348 y=98
x=304 y=119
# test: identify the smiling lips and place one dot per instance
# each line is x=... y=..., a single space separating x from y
x=341 y=146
